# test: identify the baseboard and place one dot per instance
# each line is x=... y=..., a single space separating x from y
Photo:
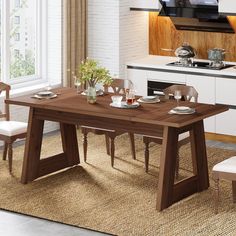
x=221 y=137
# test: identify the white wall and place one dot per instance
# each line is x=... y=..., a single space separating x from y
x=133 y=35
x=115 y=34
x=103 y=33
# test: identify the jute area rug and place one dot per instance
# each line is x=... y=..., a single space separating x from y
x=118 y=200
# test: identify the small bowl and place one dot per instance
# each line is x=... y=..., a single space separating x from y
x=149 y=98
x=116 y=99
x=45 y=93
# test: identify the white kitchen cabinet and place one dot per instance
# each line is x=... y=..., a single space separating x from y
x=166 y=77
x=226 y=91
x=139 y=79
x=226 y=94
x=225 y=122
x=227 y=7
x=205 y=86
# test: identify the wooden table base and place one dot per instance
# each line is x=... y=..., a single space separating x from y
x=169 y=192
x=33 y=166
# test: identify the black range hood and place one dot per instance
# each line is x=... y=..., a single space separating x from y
x=196 y=15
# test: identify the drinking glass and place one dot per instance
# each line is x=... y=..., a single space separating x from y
x=177 y=96
x=48 y=86
x=130 y=96
x=77 y=84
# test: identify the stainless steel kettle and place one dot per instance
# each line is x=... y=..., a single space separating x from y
x=216 y=54
x=185 y=51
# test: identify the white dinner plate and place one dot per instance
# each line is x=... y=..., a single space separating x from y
x=149 y=98
x=45 y=93
x=186 y=112
x=44 y=97
x=182 y=109
x=148 y=101
x=124 y=105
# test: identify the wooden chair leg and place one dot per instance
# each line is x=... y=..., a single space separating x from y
x=5 y=151
x=177 y=166
x=131 y=137
x=146 y=155
x=234 y=191
x=107 y=144
x=216 y=195
x=112 y=151
x=85 y=145
x=10 y=157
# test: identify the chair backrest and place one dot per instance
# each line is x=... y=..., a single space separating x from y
x=5 y=88
x=188 y=92
x=118 y=86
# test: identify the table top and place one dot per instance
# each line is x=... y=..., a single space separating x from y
x=157 y=114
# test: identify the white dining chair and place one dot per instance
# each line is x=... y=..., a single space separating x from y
x=9 y=130
x=189 y=93
x=224 y=170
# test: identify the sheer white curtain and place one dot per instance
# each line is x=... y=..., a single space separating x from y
x=75 y=37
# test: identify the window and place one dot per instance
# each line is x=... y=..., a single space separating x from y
x=17 y=52
x=17 y=20
x=17 y=3
x=30 y=30
x=17 y=36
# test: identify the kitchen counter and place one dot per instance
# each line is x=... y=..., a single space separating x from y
x=158 y=63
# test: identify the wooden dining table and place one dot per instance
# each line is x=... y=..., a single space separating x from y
x=71 y=109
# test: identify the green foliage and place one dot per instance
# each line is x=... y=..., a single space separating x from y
x=91 y=72
x=22 y=67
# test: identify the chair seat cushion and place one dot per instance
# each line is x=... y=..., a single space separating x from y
x=10 y=128
x=183 y=136
x=228 y=165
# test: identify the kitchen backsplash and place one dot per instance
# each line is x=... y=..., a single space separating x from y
x=163 y=35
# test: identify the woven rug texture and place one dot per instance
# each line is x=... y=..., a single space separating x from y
x=119 y=200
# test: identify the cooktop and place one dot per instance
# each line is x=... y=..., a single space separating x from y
x=200 y=65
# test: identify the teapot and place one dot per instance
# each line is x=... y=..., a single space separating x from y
x=185 y=51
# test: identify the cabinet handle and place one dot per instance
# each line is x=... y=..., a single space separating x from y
x=158 y=92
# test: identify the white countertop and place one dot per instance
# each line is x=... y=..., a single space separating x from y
x=159 y=62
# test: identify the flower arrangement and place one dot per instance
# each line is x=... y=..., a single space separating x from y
x=92 y=73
